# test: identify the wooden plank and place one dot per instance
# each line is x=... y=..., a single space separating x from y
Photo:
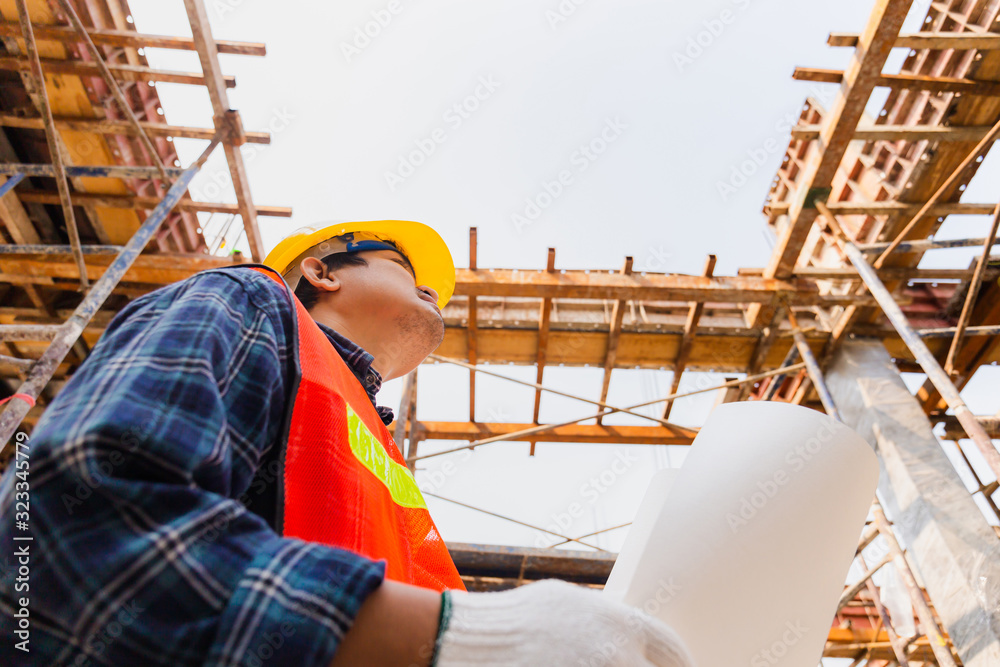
x=934 y=84
x=900 y=132
x=129 y=38
x=927 y=40
x=573 y=284
x=579 y=433
x=130 y=201
x=208 y=55
x=839 y=124
x=105 y=126
x=690 y=328
x=890 y=208
x=121 y=72
x=948 y=539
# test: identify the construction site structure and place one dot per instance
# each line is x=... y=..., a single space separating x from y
x=95 y=213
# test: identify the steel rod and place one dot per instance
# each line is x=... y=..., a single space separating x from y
x=970 y=297
x=14 y=332
x=812 y=367
x=928 y=362
x=70 y=331
x=541 y=387
x=52 y=138
x=596 y=532
x=507 y=518
x=88 y=171
x=112 y=84
x=948 y=332
x=47 y=249
x=23 y=364
x=11 y=183
x=980 y=148
x=547 y=427
x=921 y=246
x=897 y=643
x=849 y=594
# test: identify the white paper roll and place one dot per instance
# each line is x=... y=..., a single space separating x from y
x=640 y=531
x=751 y=546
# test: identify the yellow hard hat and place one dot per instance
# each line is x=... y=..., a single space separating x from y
x=423 y=247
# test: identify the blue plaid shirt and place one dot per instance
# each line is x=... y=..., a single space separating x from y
x=144 y=552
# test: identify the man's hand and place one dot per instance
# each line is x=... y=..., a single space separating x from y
x=552 y=622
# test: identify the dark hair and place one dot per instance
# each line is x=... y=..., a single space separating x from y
x=309 y=295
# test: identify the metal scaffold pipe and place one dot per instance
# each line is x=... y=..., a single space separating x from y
x=70 y=331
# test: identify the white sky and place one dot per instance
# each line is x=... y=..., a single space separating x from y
x=340 y=123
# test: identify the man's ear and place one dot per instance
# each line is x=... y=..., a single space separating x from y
x=315 y=272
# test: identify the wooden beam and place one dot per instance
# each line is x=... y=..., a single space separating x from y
x=650 y=287
x=105 y=126
x=130 y=39
x=949 y=541
x=901 y=132
x=891 y=208
x=579 y=433
x=839 y=124
x=928 y=40
x=130 y=201
x=473 y=324
x=120 y=72
x=934 y=84
x=690 y=328
x=208 y=51
x=614 y=333
x=544 y=321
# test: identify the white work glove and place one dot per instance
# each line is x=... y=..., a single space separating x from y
x=551 y=623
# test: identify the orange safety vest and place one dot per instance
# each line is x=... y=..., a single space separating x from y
x=345 y=484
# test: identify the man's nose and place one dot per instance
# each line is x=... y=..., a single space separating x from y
x=429 y=290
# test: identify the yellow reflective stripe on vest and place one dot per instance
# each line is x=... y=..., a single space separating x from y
x=372 y=455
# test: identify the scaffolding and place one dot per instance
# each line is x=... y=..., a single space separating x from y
x=842 y=301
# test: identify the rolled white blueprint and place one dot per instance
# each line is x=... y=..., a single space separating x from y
x=751 y=546
x=640 y=531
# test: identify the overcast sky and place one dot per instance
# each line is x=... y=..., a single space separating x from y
x=464 y=114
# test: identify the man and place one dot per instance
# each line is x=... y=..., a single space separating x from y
x=216 y=485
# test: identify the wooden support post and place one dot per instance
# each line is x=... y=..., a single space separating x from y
x=970 y=298
x=949 y=541
x=473 y=325
x=52 y=138
x=544 y=319
x=208 y=53
x=695 y=309
x=614 y=333
x=403 y=416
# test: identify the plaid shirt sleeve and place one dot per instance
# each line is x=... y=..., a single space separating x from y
x=143 y=552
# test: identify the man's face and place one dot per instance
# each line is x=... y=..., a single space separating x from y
x=386 y=311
